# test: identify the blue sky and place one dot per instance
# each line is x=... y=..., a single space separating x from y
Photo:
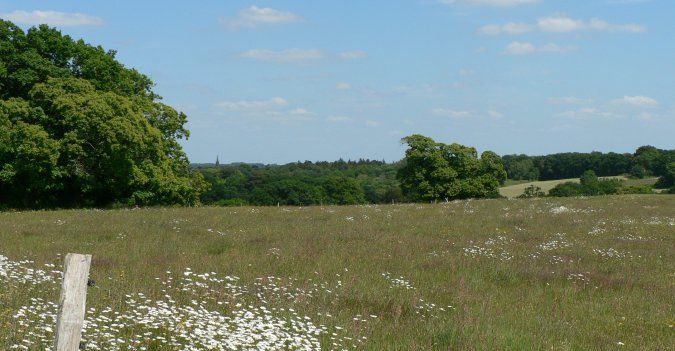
x=282 y=81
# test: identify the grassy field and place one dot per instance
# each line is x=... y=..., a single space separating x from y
x=541 y=274
x=516 y=188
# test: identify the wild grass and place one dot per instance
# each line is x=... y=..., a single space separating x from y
x=541 y=274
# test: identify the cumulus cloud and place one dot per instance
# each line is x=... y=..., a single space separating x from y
x=569 y=100
x=444 y=112
x=255 y=16
x=353 y=55
x=639 y=101
x=559 y=24
x=517 y=48
x=564 y=24
x=248 y=105
x=495 y=114
x=599 y=24
x=276 y=109
x=499 y=3
x=464 y=72
x=343 y=86
x=339 y=119
x=52 y=18
x=587 y=113
x=556 y=48
x=284 y=56
x=511 y=28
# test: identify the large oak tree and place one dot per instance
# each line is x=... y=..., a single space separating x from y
x=78 y=128
x=437 y=171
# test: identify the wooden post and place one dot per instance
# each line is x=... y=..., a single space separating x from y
x=72 y=303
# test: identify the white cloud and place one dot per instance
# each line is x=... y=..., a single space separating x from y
x=569 y=100
x=495 y=114
x=639 y=101
x=339 y=119
x=559 y=24
x=451 y=113
x=564 y=24
x=518 y=48
x=275 y=110
x=284 y=56
x=248 y=105
x=614 y=2
x=500 y=3
x=599 y=24
x=648 y=117
x=524 y=48
x=255 y=16
x=556 y=48
x=466 y=72
x=353 y=55
x=587 y=113
x=300 y=112
x=343 y=86
x=52 y=18
x=508 y=28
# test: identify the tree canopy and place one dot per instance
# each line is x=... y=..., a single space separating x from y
x=302 y=183
x=436 y=171
x=78 y=128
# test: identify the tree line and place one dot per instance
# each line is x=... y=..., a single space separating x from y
x=645 y=161
x=430 y=171
x=302 y=183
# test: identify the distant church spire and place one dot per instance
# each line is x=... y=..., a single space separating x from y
x=217 y=162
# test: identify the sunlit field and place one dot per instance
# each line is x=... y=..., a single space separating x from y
x=518 y=188
x=542 y=274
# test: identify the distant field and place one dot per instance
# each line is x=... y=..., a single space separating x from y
x=542 y=274
x=516 y=188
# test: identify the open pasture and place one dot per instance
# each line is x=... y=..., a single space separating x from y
x=540 y=274
x=518 y=188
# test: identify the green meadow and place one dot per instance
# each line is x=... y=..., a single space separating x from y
x=537 y=274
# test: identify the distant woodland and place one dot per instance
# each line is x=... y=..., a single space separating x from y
x=370 y=181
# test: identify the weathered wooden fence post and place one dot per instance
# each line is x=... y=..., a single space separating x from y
x=72 y=302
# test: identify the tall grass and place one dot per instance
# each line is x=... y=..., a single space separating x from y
x=541 y=274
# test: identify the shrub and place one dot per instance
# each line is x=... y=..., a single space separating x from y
x=532 y=191
x=637 y=189
x=566 y=189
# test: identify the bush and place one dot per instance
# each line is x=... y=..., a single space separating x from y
x=232 y=202
x=532 y=191
x=638 y=172
x=637 y=189
x=567 y=189
x=589 y=185
x=667 y=180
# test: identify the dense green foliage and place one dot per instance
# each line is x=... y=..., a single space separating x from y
x=591 y=185
x=302 y=183
x=436 y=171
x=77 y=128
x=532 y=191
x=646 y=161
